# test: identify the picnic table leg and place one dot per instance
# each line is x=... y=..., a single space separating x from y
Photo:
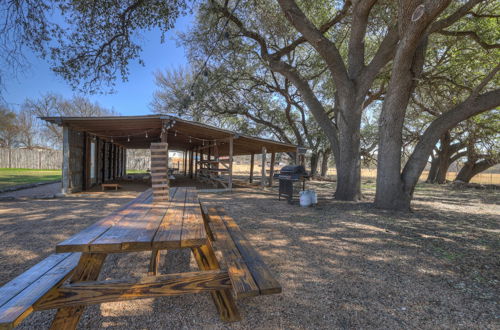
x=88 y=269
x=223 y=299
x=154 y=262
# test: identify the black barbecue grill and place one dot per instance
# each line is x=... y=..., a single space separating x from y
x=289 y=176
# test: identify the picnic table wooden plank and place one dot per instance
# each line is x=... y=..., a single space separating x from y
x=20 y=306
x=169 y=232
x=243 y=283
x=18 y=284
x=193 y=228
x=97 y=292
x=81 y=241
x=261 y=274
x=111 y=240
x=142 y=239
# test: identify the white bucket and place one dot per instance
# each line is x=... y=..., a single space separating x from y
x=314 y=197
x=305 y=198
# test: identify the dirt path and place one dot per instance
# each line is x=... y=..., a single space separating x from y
x=341 y=265
x=46 y=189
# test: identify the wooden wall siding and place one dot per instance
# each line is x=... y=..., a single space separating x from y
x=106 y=161
x=100 y=160
x=159 y=166
x=73 y=174
x=86 y=162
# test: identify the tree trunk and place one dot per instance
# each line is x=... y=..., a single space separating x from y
x=391 y=192
x=314 y=163
x=470 y=169
x=324 y=163
x=443 y=165
x=431 y=176
x=444 y=156
x=349 y=161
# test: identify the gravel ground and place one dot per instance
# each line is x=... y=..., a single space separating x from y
x=341 y=264
x=46 y=189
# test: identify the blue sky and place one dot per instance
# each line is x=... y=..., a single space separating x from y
x=131 y=98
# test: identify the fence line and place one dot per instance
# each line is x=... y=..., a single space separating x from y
x=48 y=159
x=43 y=159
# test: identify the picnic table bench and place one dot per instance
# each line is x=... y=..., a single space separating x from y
x=67 y=280
x=110 y=185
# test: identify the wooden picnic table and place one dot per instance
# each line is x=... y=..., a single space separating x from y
x=142 y=226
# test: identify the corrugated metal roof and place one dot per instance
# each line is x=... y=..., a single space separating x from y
x=137 y=132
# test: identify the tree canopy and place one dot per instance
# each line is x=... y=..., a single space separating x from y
x=88 y=43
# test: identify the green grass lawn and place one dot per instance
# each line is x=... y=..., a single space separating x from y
x=18 y=176
x=136 y=171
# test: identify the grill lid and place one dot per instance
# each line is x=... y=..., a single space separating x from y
x=293 y=169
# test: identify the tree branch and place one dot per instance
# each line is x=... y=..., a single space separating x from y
x=326 y=48
x=470 y=34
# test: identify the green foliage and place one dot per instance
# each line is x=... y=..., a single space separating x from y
x=96 y=40
x=8 y=129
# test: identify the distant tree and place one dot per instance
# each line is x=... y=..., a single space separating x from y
x=482 y=150
x=8 y=128
x=28 y=127
x=248 y=100
x=52 y=104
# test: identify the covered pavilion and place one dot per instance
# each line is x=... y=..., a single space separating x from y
x=94 y=148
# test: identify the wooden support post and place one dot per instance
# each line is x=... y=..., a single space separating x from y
x=191 y=163
x=125 y=162
x=185 y=162
x=271 y=170
x=223 y=299
x=196 y=162
x=154 y=262
x=252 y=156
x=66 y=179
x=263 y=172
x=88 y=269
x=230 y=183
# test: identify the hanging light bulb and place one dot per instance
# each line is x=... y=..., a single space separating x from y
x=175 y=134
x=190 y=140
x=225 y=41
x=202 y=142
x=111 y=140
x=146 y=134
x=128 y=138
